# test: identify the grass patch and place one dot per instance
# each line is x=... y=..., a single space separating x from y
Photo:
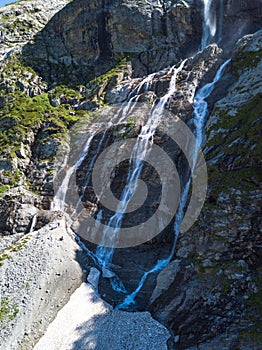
x=3 y=188
x=246 y=60
x=8 y=310
x=14 y=248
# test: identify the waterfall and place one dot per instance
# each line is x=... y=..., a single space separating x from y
x=209 y=24
x=141 y=149
x=33 y=223
x=103 y=255
x=59 y=198
x=212 y=27
x=125 y=109
x=200 y=107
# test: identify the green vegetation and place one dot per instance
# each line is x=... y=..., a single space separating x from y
x=241 y=140
x=3 y=256
x=14 y=248
x=29 y=109
x=66 y=92
x=22 y=116
x=13 y=176
x=246 y=60
x=8 y=310
x=3 y=188
x=98 y=86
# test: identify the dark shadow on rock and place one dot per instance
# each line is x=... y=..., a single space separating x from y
x=71 y=45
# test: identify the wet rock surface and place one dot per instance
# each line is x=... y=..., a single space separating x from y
x=219 y=270
x=209 y=295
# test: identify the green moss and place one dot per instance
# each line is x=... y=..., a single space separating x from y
x=241 y=140
x=22 y=115
x=29 y=114
x=18 y=24
x=14 y=248
x=66 y=92
x=4 y=19
x=98 y=86
x=3 y=188
x=242 y=125
x=3 y=257
x=246 y=60
x=14 y=177
x=8 y=310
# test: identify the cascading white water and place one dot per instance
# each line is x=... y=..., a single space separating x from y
x=200 y=114
x=33 y=224
x=212 y=27
x=117 y=119
x=141 y=149
x=126 y=108
x=200 y=105
x=59 y=198
x=104 y=255
x=89 y=170
x=209 y=24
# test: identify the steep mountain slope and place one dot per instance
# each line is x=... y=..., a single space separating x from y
x=92 y=59
x=221 y=254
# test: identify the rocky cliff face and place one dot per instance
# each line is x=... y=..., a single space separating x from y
x=71 y=67
x=221 y=253
x=240 y=18
x=86 y=37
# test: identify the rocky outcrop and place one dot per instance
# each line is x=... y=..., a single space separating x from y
x=27 y=146
x=181 y=105
x=86 y=37
x=19 y=23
